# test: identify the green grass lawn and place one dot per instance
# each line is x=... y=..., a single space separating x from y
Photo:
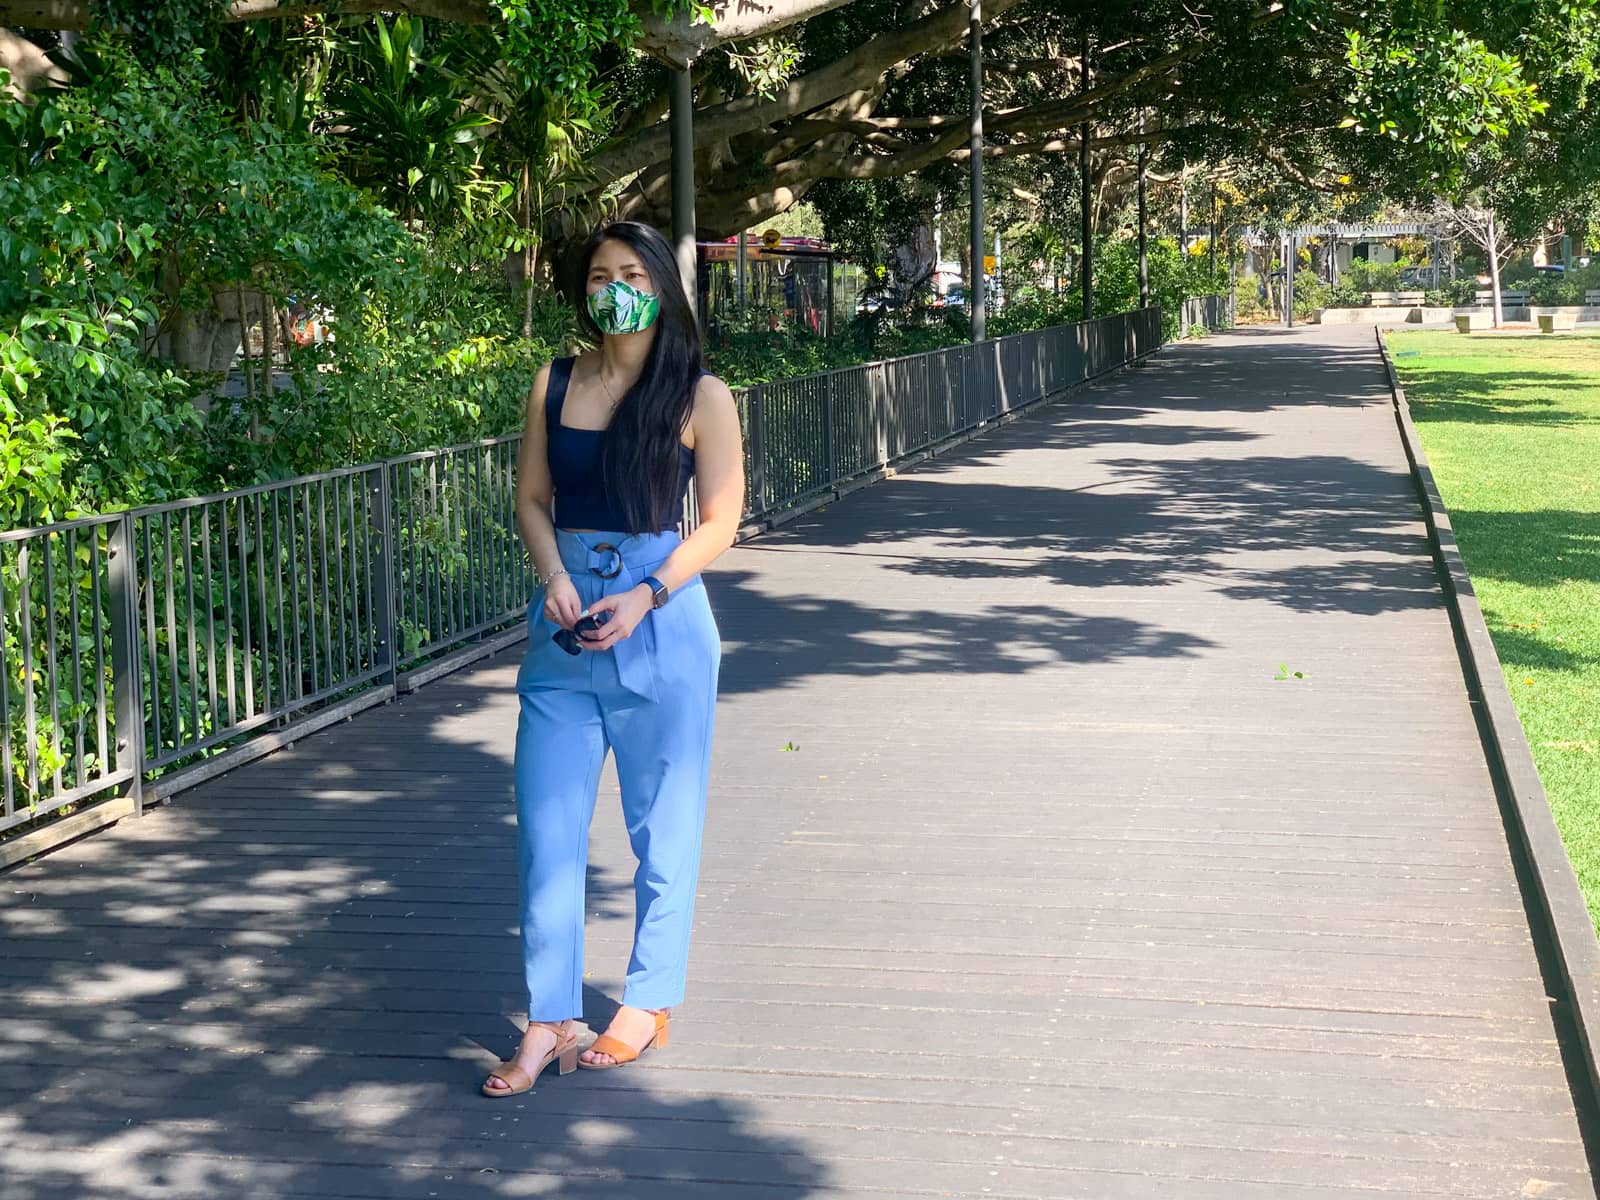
x=1511 y=426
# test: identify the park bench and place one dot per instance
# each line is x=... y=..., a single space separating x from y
x=1508 y=299
x=1591 y=298
x=1394 y=299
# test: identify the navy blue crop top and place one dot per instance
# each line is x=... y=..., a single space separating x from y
x=581 y=499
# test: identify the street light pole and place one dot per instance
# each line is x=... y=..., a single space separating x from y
x=1086 y=197
x=683 y=222
x=1144 y=257
x=1288 y=281
x=975 y=227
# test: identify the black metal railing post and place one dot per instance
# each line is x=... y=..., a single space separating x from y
x=384 y=583
x=829 y=465
x=758 y=447
x=122 y=569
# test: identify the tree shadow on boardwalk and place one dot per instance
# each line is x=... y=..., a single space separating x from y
x=293 y=981
x=1135 y=507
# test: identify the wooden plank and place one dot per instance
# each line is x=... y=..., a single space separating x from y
x=1062 y=894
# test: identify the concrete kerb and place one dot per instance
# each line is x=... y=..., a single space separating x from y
x=1524 y=805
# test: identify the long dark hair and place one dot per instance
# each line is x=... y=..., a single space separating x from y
x=639 y=454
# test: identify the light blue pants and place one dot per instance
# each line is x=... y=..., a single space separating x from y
x=651 y=701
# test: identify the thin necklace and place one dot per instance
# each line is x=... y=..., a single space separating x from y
x=610 y=395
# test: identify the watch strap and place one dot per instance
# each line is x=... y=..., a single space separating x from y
x=658 y=591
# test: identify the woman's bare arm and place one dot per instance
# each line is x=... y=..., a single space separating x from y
x=535 y=495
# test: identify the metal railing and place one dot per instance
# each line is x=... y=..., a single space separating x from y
x=147 y=650
x=1206 y=312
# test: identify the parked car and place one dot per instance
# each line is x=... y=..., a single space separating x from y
x=876 y=304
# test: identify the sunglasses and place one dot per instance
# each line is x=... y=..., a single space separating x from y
x=567 y=639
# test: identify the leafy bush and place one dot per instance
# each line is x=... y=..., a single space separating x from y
x=1373 y=277
x=1039 y=311
x=139 y=220
x=1345 y=294
x=1174 y=278
x=1551 y=288
x=760 y=356
x=1311 y=293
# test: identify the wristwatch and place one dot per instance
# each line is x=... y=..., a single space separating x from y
x=658 y=591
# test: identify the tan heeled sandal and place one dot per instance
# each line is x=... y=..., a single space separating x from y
x=564 y=1053
x=622 y=1053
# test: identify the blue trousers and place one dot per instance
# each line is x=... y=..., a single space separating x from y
x=650 y=700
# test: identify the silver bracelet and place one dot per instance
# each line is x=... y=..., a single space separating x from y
x=556 y=576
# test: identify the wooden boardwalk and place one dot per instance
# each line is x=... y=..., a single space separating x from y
x=1058 y=893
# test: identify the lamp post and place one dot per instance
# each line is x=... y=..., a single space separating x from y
x=975 y=226
x=683 y=222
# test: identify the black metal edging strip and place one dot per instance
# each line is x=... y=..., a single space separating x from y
x=1524 y=804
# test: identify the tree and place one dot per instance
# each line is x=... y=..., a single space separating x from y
x=1479 y=224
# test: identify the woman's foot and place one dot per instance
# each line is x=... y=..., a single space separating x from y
x=637 y=1028
x=534 y=1053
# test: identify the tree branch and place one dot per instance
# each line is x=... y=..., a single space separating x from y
x=677 y=42
x=812 y=90
x=79 y=14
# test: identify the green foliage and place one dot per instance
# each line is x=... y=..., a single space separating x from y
x=1037 y=310
x=760 y=356
x=865 y=219
x=1549 y=287
x=1372 y=277
x=133 y=207
x=1345 y=294
x=1443 y=91
x=1174 y=277
x=1311 y=293
x=161 y=30
x=408 y=129
x=433 y=360
x=80 y=255
x=567 y=44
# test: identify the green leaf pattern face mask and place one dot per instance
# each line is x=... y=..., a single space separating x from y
x=619 y=307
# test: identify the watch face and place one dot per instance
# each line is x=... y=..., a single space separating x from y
x=660 y=596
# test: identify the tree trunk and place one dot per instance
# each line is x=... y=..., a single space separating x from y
x=529 y=252
x=1494 y=270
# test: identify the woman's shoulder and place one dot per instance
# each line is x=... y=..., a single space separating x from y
x=539 y=390
x=709 y=387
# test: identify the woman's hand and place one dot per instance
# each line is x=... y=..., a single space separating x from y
x=627 y=609
x=561 y=603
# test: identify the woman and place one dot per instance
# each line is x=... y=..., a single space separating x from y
x=622 y=648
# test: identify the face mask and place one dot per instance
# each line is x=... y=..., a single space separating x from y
x=619 y=307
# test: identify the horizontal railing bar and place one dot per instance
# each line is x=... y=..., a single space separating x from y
x=309 y=700
x=22 y=535
x=70 y=796
x=420 y=455
x=461 y=637
x=258 y=489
